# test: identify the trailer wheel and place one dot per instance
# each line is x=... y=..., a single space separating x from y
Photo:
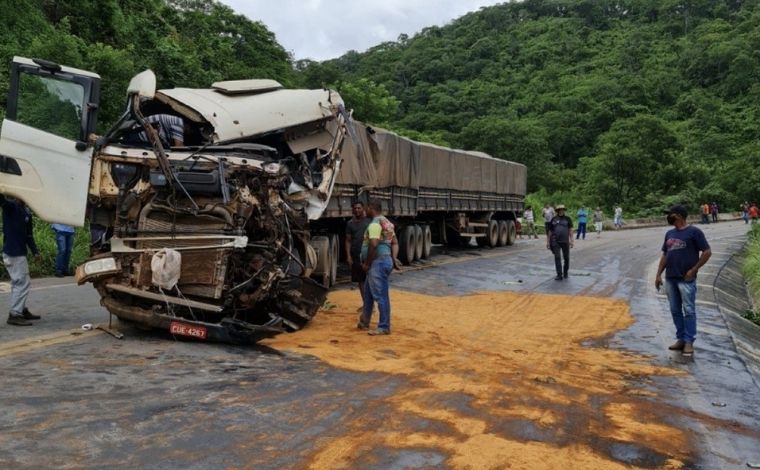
x=418 y=242
x=511 y=232
x=503 y=233
x=427 y=241
x=334 y=255
x=321 y=245
x=407 y=244
x=492 y=233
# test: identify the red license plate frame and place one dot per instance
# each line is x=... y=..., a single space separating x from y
x=186 y=329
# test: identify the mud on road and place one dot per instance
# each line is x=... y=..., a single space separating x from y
x=491 y=364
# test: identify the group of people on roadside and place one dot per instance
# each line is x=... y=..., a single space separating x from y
x=709 y=212
x=750 y=212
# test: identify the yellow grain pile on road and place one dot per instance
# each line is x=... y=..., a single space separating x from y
x=484 y=368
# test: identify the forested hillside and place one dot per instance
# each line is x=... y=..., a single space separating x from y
x=186 y=42
x=642 y=102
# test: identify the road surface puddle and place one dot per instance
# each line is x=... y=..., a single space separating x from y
x=497 y=380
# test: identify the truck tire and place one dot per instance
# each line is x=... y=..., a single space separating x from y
x=418 y=242
x=492 y=234
x=321 y=245
x=427 y=241
x=406 y=244
x=503 y=233
x=511 y=232
x=334 y=255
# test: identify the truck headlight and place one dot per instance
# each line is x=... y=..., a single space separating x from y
x=100 y=266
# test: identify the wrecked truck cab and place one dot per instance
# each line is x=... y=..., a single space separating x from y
x=230 y=201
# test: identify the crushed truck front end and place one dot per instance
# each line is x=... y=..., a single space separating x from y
x=234 y=203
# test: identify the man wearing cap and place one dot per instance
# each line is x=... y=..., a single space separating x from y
x=559 y=239
x=684 y=251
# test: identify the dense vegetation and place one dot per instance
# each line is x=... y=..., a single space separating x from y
x=641 y=102
x=751 y=270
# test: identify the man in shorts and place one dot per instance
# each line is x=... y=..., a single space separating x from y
x=355 y=229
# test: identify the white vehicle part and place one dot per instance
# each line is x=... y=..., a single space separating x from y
x=143 y=84
x=166 y=268
x=236 y=116
x=54 y=174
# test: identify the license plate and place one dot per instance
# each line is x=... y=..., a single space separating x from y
x=183 y=329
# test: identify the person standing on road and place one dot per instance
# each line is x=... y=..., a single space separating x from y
x=745 y=212
x=559 y=239
x=548 y=213
x=705 y=213
x=17 y=236
x=598 y=221
x=378 y=255
x=582 y=220
x=355 y=229
x=714 y=211
x=754 y=212
x=684 y=251
x=618 y=217
x=530 y=222
x=64 y=238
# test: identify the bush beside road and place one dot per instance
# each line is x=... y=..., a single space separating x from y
x=751 y=269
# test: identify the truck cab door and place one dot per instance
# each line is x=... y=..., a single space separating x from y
x=44 y=155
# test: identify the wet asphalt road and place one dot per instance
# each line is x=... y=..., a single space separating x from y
x=74 y=399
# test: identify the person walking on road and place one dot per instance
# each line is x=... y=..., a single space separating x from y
x=530 y=223
x=754 y=212
x=745 y=211
x=598 y=221
x=17 y=236
x=355 y=229
x=378 y=255
x=559 y=239
x=548 y=213
x=714 y=208
x=705 y=213
x=684 y=251
x=618 y=217
x=582 y=220
x=64 y=238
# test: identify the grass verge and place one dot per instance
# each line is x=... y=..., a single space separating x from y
x=751 y=269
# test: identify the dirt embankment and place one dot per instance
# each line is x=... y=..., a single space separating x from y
x=495 y=380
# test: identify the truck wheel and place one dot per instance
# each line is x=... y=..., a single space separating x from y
x=406 y=244
x=492 y=233
x=321 y=245
x=503 y=233
x=511 y=232
x=418 y=242
x=427 y=241
x=334 y=254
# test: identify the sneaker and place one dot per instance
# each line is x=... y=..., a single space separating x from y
x=362 y=326
x=18 y=320
x=379 y=332
x=688 y=349
x=565 y=275
x=29 y=315
x=677 y=346
x=59 y=274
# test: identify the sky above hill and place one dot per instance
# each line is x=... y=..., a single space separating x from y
x=324 y=29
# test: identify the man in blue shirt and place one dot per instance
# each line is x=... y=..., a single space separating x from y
x=582 y=220
x=684 y=251
x=64 y=238
x=17 y=236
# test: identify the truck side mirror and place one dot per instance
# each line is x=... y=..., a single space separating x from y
x=143 y=84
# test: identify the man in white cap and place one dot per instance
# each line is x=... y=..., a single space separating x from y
x=559 y=239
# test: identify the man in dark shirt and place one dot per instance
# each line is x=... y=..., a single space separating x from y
x=684 y=251
x=559 y=239
x=355 y=229
x=17 y=235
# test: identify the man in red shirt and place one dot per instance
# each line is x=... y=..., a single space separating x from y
x=754 y=212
